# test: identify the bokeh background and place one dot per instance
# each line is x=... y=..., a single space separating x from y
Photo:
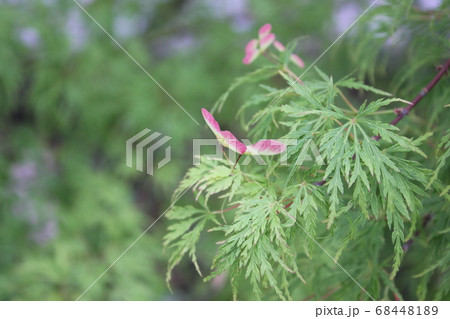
x=70 y=98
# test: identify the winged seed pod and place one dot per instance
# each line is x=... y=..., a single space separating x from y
x=227 y=139
x=265 y=39
x=256 y=46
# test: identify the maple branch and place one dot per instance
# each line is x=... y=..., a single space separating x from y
x=401 y=113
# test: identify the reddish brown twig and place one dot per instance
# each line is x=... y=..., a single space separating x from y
x=227 y=209
x=401 y=113
x=286 y=206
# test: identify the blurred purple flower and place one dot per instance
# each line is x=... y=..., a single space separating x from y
x=29 y=37
x=24 y=172
x=345 y=15
x=13 y=2
x=76 y=30
x=235 y=10
x=429 y=4
x=85 y=2
x=127 y=26
x=174 y=44
x=46 y=232
x=53 y=2
x=29 y=204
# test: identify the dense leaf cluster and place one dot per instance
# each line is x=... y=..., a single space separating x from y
x=343 y=223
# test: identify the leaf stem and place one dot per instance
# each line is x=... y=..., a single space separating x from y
x=350 y=105
x=237 y=160
x=226 y=209
x=284 y=68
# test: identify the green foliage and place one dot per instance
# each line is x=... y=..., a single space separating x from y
x=184 y=234
x=70 y=98
x=444 y=148
x=365 y=199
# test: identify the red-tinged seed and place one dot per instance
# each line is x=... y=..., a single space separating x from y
x=296 y=59
x=264 y=30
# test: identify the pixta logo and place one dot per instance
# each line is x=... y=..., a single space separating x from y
x=141 y=142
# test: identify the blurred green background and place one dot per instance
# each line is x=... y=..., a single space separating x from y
x=70 y=98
